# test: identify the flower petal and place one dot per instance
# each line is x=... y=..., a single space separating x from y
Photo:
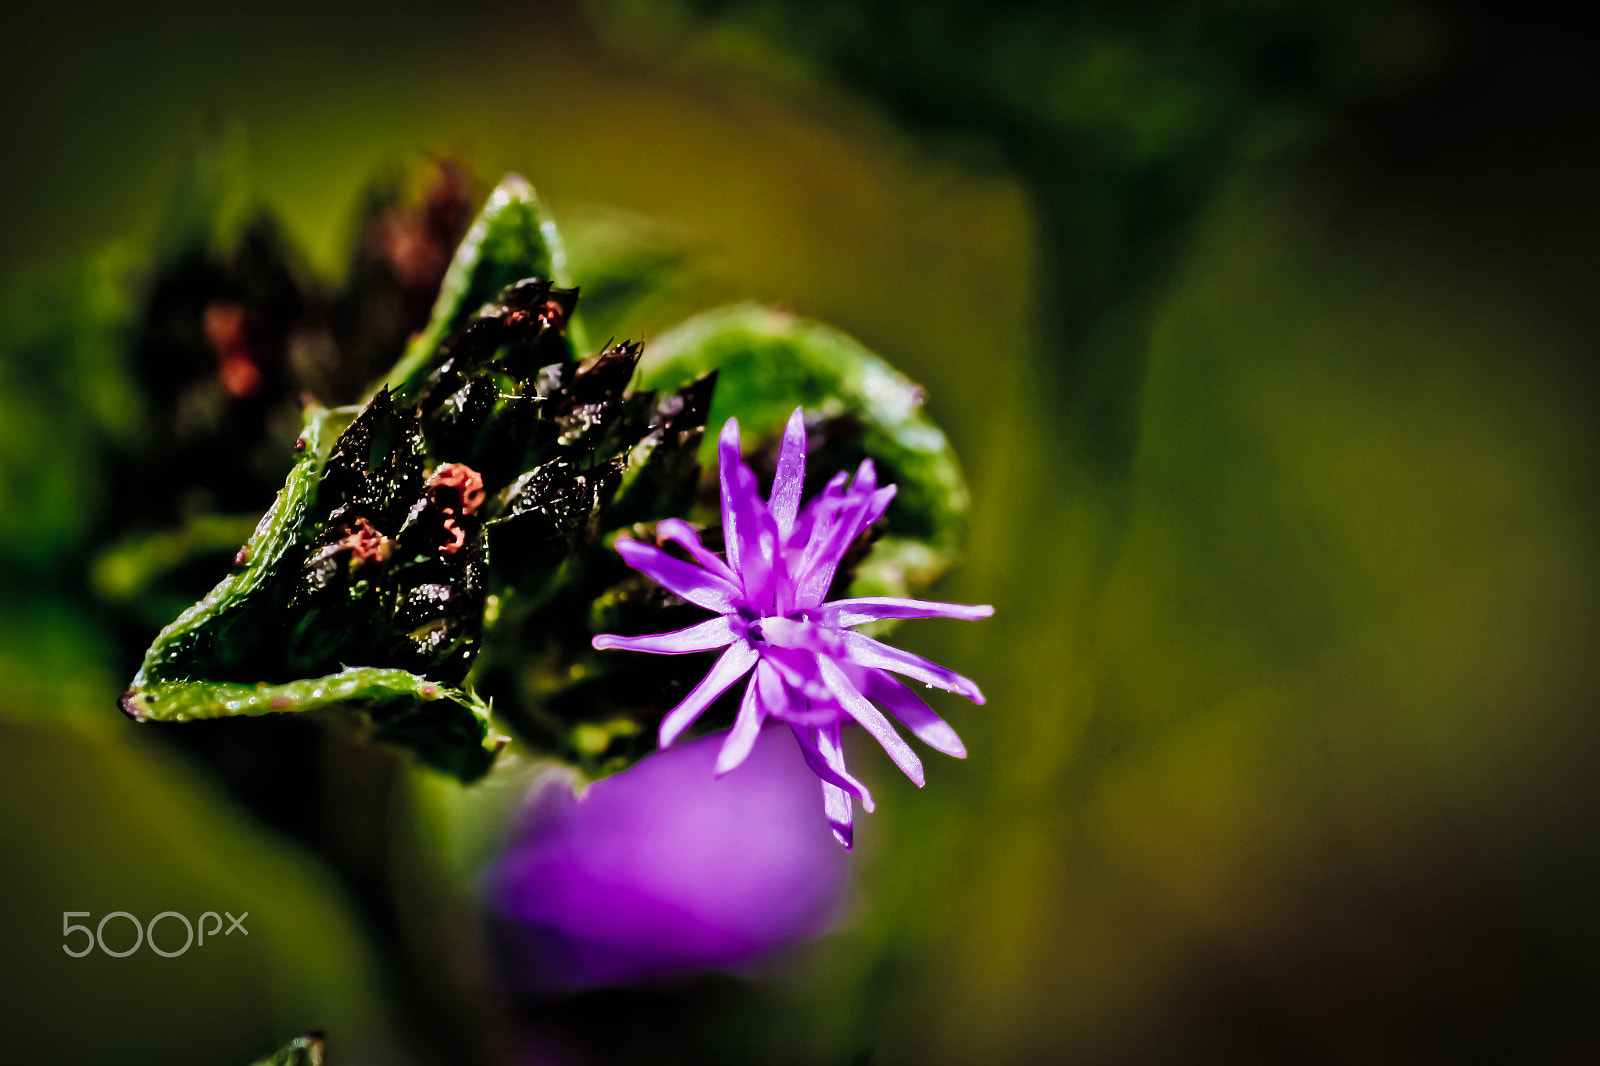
x=682 y=533
x=835 y=514
x=862 y=609
x=796 y=633
x=912 y=712
x=836 y=529
x=716 y=632
x=841 y=814
x=864 y=651
x=770 y=689
x=795 y=685
x=824 y=752
x=734 y=664
x=695 y=584
x=739 y=538
x=749 y=537
x=819 y=505
x=787 y=483
x=871 y=719
x=746 y=728
x=875 y=506
x=728 y=464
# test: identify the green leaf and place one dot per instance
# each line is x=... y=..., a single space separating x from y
x=62 y=384
x=301 y=1051
x=448 y=728
x=767 y=363
x=512 y=239
x=215 y=659
x=215 y=633
x=367 y=583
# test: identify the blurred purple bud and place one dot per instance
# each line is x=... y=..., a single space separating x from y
x=667 y=869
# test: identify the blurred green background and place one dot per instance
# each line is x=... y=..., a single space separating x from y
x=1266 y=334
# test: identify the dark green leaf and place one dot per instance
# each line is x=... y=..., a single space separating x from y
x=220 y=631
x=257 y=644
x=448 y=728
x=301 y=1051
x=512 y=239
x=491 y=475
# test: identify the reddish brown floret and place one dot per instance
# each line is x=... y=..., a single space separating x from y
x=366 y=543
x=463 y=479
x=226 y=332
x=459 y=535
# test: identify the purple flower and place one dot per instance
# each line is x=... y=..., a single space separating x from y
x=666 y=869
x=811 y=669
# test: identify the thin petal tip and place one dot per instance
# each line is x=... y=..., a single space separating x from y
x=727 y=761
x=970 y=691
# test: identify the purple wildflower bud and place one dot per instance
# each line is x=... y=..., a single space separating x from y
x=810 y=669
x=666 y=869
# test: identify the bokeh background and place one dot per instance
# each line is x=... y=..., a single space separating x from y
x=1266 y=333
